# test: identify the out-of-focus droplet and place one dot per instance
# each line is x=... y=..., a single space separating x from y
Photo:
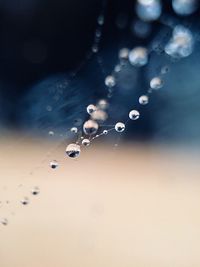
x=24 y=201
x=156 y=83
x=148 y=10
x=138 y=56
x=143 y=99
x=110 y=81
x=35 y=191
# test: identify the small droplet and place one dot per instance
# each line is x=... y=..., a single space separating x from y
x=110 y=81
x=35 y=191
x=105 y=132
x=156 y=83
x=85 y=142
x=4 y=221
x=24 y=201
x=91 y=108
x=123 y=53
x=119 y=127
x=54 y=164
x=134 y=115
x=51 y=133
x=74 y=130
x=144 y=99
x=73 y=150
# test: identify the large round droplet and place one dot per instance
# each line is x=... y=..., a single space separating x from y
x=90 y=127
x=73 y=150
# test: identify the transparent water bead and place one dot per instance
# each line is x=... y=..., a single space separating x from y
x=143 y=99
x=91 y=108
x=134 y=115
x=156 y=83
x=74 y=130
x=119 y=127
x=110 y=81
x=85 y=142
x=73 y=150
x=35 y=191
x=25 y=201
x=54 y=164
x=105 y=132
x=138 y=56
x=90 y=127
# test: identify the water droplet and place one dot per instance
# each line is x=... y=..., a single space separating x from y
x=4 y=221
x=85 y=142
x=156 y=83
x=73 y=150
x=138 y=56
x=144 y=99
x=91 y=108
x=24 y=201
x=90 y=127
x=110 y=81
x=74 y=130
x=54 y=164
x=134 y=115
x=119 y=127
x=35 y=191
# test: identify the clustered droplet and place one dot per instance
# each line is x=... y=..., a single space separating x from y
x=138 y=56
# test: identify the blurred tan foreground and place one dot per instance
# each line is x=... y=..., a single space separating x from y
x=130 y=207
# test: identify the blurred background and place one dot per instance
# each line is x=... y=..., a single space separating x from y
x=43 y=44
